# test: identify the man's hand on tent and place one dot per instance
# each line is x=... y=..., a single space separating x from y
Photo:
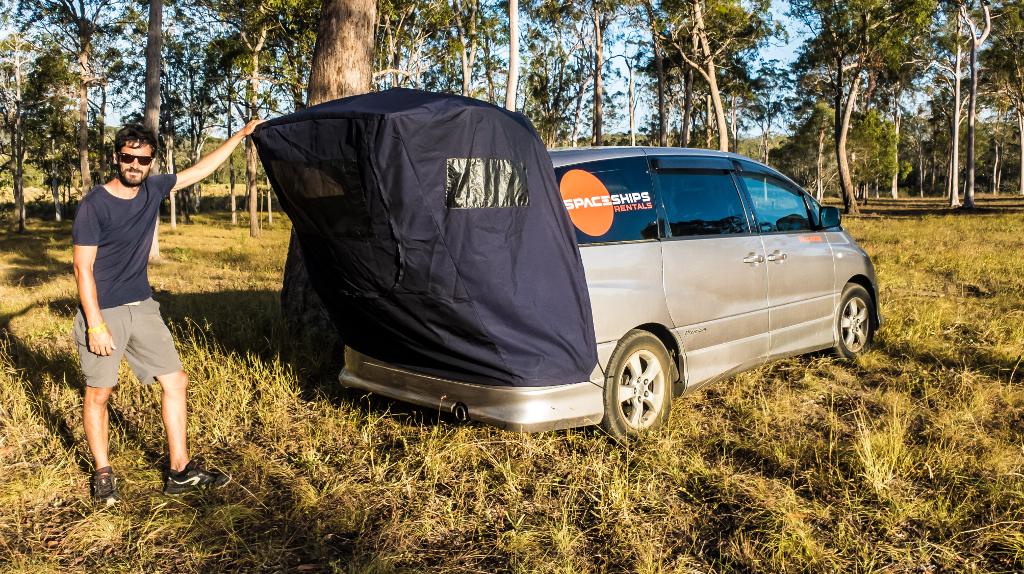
x=205 y=166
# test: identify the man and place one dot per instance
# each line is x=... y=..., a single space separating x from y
x=112 y=235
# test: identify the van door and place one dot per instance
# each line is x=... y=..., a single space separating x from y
x=716 y=282
x=611 y=205
x=801 y=272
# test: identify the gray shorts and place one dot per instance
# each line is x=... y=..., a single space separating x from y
x=140 y=336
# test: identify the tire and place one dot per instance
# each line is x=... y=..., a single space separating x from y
x=637 y=386
x=855 y=322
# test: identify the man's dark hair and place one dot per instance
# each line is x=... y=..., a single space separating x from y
x=133 y=135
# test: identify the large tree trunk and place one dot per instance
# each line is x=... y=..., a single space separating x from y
x=83 y=117
x=711 y=75
x=972 y=105
x=842 y=130
x=598 y=84
x=251 y=160
x=513 y=55
x=342 y=66
x=151 y=113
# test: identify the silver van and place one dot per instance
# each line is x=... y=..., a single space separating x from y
x=700 y=265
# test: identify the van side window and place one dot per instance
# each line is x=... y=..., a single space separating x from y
x=610 y=200
x=702 y=202
x=777 y=208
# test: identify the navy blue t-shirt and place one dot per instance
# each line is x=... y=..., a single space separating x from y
x=122 y=230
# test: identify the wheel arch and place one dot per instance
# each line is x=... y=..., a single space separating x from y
x=664 y=334
x=868 y=286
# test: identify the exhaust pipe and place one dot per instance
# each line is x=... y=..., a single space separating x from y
x=461 y=412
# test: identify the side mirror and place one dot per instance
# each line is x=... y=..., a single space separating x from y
x=829 y=217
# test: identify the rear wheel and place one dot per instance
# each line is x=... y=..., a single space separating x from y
x=855 y=324
x=638 y=386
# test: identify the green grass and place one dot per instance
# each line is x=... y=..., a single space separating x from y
x=911 y=460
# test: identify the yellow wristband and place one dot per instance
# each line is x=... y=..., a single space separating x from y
x=101 y=328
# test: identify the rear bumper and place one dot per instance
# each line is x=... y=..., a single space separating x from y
x=523 y=409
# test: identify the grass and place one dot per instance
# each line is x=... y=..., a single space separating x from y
x=910 y=460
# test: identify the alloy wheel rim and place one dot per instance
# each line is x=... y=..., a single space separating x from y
x=641 y=389
x=854 y=325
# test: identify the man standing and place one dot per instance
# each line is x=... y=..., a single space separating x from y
x=112 y=235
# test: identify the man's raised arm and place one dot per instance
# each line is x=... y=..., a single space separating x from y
x=206 y=165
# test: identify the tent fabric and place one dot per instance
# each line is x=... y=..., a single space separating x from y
x=433 y=230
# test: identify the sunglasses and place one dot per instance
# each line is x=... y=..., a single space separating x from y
x=128 y=158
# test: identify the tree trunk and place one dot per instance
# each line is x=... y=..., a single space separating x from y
x=83 y=117
x=995 y=167
x=920 y=171
x=151 y=113
x=251 y=161
x=897 y=117
x=513 y=55
x=578 y=116
x=710 y=75
x=632 y=107
x=818 y=183
x=954 y=143
x=687 y=107
x=169 y=168
x=842 y=129
x=342 y=66
x=18 y=146
x=598 y=84
x=972 y=110
x=1020 y=135
x=231 y=163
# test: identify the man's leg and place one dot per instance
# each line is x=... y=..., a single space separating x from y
x=175 y=412
x=97 y=424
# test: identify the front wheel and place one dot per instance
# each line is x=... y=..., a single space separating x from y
x=855 y=324
x=638 y=386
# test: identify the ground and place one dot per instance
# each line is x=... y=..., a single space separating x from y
x=910 y=460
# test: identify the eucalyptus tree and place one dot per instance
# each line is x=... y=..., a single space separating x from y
x=1006 y=62
x=73 y=25
x=709 y=33
x=251 y=23
x=845 y=39
x=16 y=55
x=769 y=91
x=557 y=69
x=976 y=39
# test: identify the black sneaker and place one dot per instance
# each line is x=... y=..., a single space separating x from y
x=193 y=477
x=103 y=485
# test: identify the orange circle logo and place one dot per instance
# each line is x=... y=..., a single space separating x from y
x=588 y=202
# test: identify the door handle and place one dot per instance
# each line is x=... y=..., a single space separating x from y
x=777 y=256
x=753 y=259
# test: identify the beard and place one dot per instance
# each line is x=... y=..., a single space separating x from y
x=131 y=176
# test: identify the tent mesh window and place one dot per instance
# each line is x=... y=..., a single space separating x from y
x=333 y=185
x=475 y=182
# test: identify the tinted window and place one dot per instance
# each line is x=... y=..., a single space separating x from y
x=609 y=200
x=701 y=203
x=776 y=206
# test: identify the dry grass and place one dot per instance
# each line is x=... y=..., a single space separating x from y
x=911 y=460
